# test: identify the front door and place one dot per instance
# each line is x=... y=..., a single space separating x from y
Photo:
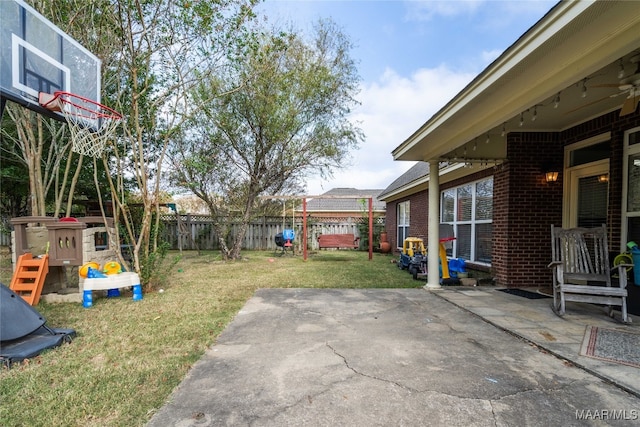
x=588 y=195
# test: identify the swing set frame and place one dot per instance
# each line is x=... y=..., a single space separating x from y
x=305 y=252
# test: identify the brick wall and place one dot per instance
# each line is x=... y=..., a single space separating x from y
x=391 y=223
x=525 y=206
x=418 y=227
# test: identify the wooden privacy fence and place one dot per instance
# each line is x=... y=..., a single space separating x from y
x=191 y=232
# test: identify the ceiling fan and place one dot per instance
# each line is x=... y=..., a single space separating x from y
x=630 y=85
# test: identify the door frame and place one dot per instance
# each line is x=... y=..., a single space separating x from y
x=626 y=152
x=572 y=177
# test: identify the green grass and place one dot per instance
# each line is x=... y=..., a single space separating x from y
x=128 y=356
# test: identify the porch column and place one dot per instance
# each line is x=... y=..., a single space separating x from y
x=433 y=243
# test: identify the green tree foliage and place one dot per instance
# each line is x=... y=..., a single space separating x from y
x=154 y=53
x=14 y=175
x=166 y=48
x=282 y=114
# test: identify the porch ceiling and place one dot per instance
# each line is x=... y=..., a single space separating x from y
x=576 y=45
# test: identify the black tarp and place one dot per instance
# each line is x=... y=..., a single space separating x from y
x=23 y=333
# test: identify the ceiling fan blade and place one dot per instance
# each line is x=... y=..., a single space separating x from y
x=587 y=104
x=630 y=105
x=606 y=85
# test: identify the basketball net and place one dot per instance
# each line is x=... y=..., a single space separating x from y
x=91 y=123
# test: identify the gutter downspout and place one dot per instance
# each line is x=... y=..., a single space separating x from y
x=433 y=244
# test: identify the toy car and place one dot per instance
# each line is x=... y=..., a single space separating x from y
x=412 y=248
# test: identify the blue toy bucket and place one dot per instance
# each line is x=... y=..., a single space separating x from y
x=288 y=234
x=456 y=266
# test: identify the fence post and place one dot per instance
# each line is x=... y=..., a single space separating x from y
x=189 y=228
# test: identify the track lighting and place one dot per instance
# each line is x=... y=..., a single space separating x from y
x=584 y=88
x=521 y=119
x=556 y=101
x=504 y=130
x=534 y=116
x=486 y=141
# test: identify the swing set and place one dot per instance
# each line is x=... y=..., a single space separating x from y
x=284 y=239
x=290 y=232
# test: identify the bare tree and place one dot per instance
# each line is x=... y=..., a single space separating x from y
x=42 y=146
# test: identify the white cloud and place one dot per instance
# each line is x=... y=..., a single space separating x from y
x=427 y=10
x=393 y=107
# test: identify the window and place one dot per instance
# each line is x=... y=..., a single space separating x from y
x=631 y=188
x=469 y=208
x=403 y=222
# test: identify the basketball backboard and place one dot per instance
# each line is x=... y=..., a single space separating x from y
x=37 y=56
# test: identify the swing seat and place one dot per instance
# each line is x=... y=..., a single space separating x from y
x=338 y=241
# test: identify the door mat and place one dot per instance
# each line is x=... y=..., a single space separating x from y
x=523 y=293
x=611 y=345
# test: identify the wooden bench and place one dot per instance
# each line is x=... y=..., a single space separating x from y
x=581 y=270
x=338 y=241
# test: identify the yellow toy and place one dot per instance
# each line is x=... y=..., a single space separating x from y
x=413 y=246
x=85 y=268
x=112 y=267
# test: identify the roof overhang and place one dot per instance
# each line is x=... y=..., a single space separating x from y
x=574 y=41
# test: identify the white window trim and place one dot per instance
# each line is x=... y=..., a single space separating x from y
x=572 y=174
x=571 y=179
x=626 y=152
x=407 y=209
x=584 y=143
x=471 y=222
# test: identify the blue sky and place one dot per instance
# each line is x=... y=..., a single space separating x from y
x=413 y=57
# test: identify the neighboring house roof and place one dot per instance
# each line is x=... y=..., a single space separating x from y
x=575 y=49
x=417 y=174
x=337 y=200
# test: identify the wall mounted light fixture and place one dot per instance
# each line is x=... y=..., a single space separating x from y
x=551 y=176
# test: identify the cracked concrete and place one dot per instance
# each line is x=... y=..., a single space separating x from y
x=379 y=357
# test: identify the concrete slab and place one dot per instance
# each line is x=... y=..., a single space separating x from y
x=378 y=357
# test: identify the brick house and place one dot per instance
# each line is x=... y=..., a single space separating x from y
x=549 y=133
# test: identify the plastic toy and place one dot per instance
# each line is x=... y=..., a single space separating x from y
x=85 y=268
x=112 y=267
x=412 y=247
x=93 y=273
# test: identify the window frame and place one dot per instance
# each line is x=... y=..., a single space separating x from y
x=455 y=214
x=403 y=222
x=628 y=151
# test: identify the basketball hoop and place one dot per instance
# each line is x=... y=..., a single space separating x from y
x=91 y=123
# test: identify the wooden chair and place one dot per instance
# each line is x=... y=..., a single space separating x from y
x=581 y=270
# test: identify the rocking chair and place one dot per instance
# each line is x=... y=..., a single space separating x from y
x=581 y=270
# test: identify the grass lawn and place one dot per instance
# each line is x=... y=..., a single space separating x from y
x=128 y=356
